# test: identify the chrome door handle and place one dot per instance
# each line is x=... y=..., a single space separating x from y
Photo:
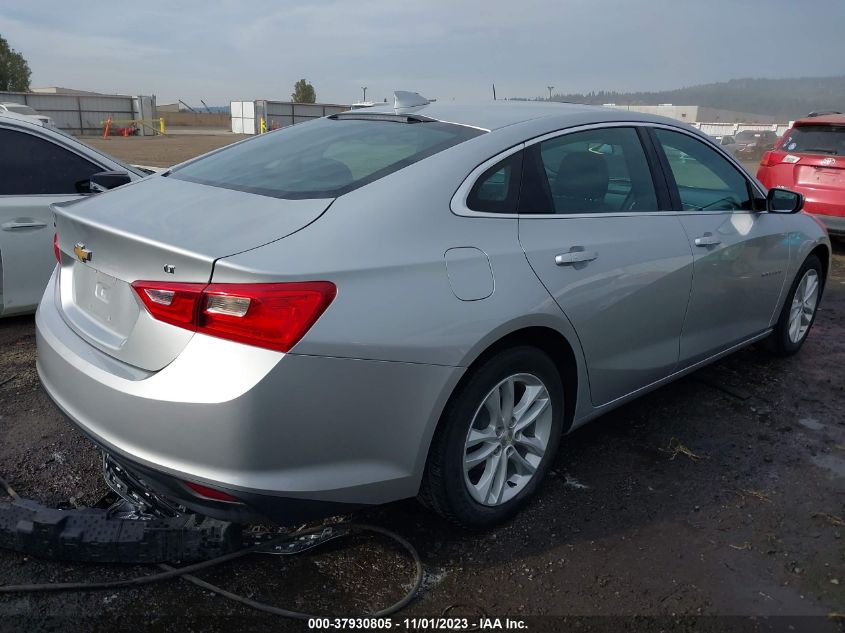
x=575 y=257
x=707 y=240
x=15 y=224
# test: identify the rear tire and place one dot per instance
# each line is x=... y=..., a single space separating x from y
x=799 y=310
x=496 y=439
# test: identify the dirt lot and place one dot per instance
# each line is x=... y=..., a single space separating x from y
x=749 y=522
x=160 y=151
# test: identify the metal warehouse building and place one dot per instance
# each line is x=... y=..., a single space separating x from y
x=82 y=112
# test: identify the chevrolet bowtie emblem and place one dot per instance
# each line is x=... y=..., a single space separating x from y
x=82 y=253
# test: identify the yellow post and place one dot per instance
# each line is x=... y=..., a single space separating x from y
x=263 y=125
x=161 y=125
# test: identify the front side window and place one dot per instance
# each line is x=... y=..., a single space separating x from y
x=596 y=171
x=30 y=165
x=323 y=158
x=706 y=181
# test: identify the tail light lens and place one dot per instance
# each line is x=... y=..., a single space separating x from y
x=211 y=493
x=275 y=316
x=56 y=250
x=771 y=158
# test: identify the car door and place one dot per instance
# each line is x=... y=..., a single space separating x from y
x=740 y=255
x=592 y=229
x=35 y=172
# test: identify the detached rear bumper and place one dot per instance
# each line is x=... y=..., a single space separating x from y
x=288 y=435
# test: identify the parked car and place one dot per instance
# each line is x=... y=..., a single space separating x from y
x=727 y=142
x=27 y=111
x=408 y=301
x=38 y=167
x=811 y=159
x=750 y=144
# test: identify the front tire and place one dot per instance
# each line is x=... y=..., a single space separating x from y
x=496 y=439
x=799 y=310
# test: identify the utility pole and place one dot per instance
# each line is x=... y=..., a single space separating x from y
x=364 y=88
x=550 y=91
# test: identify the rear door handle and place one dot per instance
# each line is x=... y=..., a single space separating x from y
x=23 y=224
x=575 y=257
x=708 y=239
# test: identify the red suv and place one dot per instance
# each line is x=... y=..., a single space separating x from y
x=810 y=159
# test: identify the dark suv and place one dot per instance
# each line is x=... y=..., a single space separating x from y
x=751 y=144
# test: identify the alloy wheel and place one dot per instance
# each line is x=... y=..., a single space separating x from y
x=507 y=439
x=804 y=303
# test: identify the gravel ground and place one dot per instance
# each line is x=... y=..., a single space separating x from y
x=722 y=494
x=160 y=151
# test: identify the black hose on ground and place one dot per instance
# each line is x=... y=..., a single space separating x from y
x=187 y=574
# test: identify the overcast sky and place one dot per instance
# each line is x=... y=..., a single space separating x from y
x=221 y=51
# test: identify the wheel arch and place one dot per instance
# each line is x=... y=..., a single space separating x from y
x=823 y=253
x=543 y=336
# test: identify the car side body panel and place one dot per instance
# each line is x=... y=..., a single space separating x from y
x=347 y=415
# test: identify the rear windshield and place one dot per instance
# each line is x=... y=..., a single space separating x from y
x=751 y=135
x=20 y=109
x=323 y=158
x=816 y=139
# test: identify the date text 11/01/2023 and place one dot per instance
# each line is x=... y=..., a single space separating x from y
x=484 y=623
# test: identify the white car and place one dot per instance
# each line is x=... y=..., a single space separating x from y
x=26 y=111
x=727 y=142
x=40 y=166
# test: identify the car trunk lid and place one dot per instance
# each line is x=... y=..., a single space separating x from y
x=157 y=229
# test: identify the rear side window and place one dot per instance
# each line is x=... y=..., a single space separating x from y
x=815 y=139
x=324 y=158
x=706 y=181
x=596 y=171
x=30 y=165
x=497 y=190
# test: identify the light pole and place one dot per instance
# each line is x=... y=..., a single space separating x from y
x=550 y=91
x=364 y=88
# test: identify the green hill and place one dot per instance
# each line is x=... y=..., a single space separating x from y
x=784 y=98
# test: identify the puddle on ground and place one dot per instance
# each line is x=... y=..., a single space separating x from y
x=836 y=465
x=811 y=423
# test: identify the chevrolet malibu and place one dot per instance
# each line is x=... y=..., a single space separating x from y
x=418 y=300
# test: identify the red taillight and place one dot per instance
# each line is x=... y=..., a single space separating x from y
x=211 y=493
x=275 y=316
x=771 y=158
x=171 y=302
x=56 y=250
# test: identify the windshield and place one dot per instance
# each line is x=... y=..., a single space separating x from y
x=816 y=139
x=21 y=109
x=323 y=158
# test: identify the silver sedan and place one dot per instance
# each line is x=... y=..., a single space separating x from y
x=418 y=300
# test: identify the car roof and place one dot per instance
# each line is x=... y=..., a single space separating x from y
x=824 y=119
x=492 y=115
x=24 y=119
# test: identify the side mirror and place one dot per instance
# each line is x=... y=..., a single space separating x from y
x=784 y=201
x=105 y=180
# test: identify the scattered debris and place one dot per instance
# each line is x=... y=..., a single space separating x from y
x=676 y=448
x=831 y=518
x=744 y=546
x=574 y=483
x=757 y=494
x=811 y=423
x=9 y=379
